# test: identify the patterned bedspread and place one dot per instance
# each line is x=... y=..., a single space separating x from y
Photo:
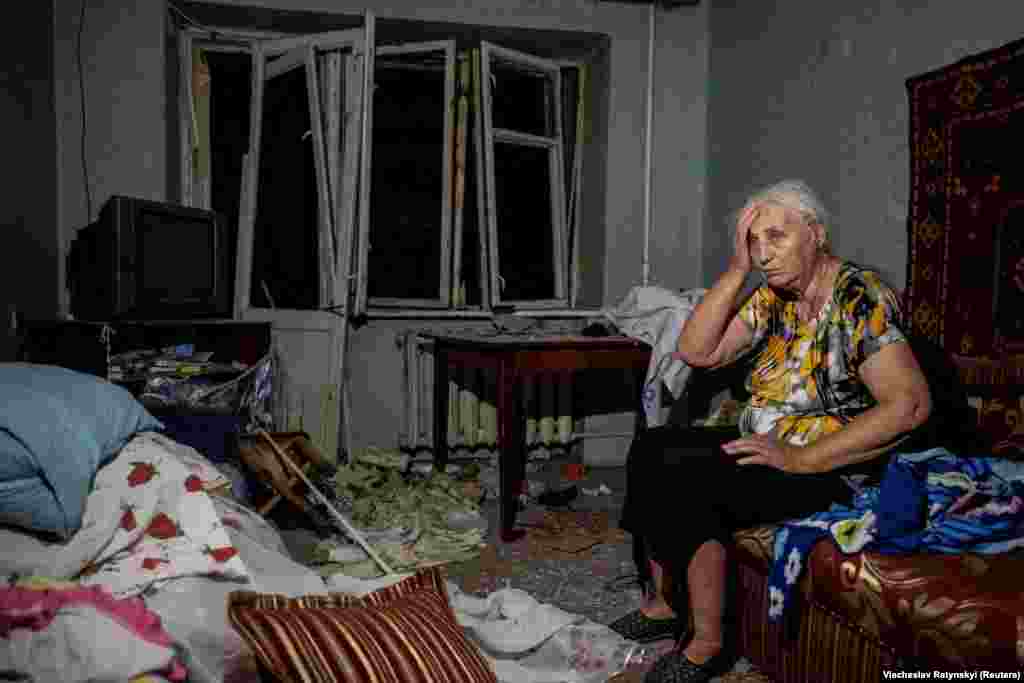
x=932 y=501
x=78 y=611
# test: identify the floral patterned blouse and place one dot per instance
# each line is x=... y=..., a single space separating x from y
x=805 y=381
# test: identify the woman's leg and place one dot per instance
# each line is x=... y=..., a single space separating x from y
x=645 y=472
x=719 y=498
x=656 y=606
x=706 y=577
x=644 y=468
x=655 y=479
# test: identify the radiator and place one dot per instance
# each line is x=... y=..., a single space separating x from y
x=472 y=396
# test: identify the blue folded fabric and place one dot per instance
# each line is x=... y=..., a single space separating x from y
x=931 y=501
x=57 y=428
x=26 y=500
x=902 y=507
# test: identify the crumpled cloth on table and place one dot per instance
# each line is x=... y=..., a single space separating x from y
x=656 y=316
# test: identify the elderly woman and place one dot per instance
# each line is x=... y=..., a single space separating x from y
x=833 y=385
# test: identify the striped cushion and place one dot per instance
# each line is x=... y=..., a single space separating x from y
x=405 y=633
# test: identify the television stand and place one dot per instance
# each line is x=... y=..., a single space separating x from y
x=89 y=346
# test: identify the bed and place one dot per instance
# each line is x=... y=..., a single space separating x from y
x=120 y=545
x=125 y=557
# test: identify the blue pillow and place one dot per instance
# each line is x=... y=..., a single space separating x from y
x=25 y=501
x=57 y=428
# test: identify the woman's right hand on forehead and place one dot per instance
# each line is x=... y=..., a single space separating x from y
x=741 y=260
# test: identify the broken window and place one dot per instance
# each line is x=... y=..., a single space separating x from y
x=522 y=141
x=462 y=192
x=408 y=248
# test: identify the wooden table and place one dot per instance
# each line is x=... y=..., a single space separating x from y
x=515 y=357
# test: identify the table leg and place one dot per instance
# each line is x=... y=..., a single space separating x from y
x=440 y=407
x=511 y=450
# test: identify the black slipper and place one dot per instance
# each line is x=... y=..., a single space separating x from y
x=640 y=628
x=675 y=667
x=559 y=498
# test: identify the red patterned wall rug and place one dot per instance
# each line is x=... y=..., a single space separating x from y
x=965 y=273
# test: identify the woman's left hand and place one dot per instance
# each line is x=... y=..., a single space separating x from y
x=763 y=449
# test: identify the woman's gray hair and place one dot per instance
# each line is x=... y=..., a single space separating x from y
x=795 y=195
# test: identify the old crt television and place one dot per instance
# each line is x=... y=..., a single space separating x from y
x=149 y=260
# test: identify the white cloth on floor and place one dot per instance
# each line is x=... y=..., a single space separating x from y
x=527 y=641
x=524 y=640
x=508 y=621
x=343 y=583
x=656 y=316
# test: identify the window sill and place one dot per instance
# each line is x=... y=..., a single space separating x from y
x=384 y=314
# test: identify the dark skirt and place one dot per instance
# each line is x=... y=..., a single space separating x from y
x=682 y=490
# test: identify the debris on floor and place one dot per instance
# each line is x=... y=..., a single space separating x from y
x=411 y=519
x=601 y=490
x=559 y=498
x=564 y=534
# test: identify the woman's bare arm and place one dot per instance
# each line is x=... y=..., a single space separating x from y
x=894 y=378
x=714 y=335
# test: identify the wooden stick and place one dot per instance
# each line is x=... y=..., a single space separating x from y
x=349 y=529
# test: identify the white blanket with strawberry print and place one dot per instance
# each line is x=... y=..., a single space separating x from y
x=149 y=519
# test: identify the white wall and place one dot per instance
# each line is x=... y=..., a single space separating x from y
x=127 y=151
x=817 y=90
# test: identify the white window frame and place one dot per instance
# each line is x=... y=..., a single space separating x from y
x=337 y=179
x=296 y=51
x=468 y=104
x=344 y=190
x=229 y=40
x=553 y=145
x=572 y=201
x=444 y=297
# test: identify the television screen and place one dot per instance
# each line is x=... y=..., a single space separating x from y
x=176 y=257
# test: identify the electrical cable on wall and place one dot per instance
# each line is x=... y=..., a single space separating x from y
x=645 y=261
x=81 y=92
